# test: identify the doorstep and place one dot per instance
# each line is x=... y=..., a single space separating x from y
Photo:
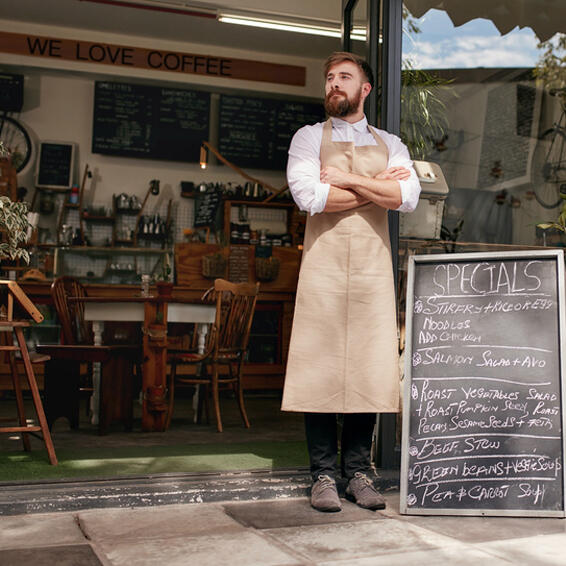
x=164 y=489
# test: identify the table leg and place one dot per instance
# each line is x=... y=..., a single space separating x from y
x=154 y=407
x=202 y=333
x=97 y=329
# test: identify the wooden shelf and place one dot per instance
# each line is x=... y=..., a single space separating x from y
x=97 y=218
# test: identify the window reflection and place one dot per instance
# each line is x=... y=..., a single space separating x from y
x=487 y=117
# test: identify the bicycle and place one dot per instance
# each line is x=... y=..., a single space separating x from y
x=16 y=141
x=549 y=160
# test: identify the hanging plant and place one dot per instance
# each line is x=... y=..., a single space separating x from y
x=551 y=67
x=14 y=227
x=423 y=113
x=14 y=223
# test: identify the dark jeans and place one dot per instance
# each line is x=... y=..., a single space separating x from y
x=355 y=446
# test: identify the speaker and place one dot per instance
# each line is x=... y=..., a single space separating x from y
x=11 y=92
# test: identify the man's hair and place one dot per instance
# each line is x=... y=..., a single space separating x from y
x=341 y=56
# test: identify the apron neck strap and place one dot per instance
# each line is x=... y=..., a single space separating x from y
x=327 y=132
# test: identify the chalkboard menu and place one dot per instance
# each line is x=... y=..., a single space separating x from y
x=132 y=120
x=256 y=132
x=483 y=403
x=206 y=207
x=55 y=166
x=238 y=265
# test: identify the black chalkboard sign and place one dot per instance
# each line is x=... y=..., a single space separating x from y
x=132 y=120
x=11 y=92
x=55 y=165
x=483 y=405
x=206 y=207
x=256 y=132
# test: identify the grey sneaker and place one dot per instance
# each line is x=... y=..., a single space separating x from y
x=324 y=495
x=362 y=491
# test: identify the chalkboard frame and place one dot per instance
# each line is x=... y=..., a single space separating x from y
x=162 y=142
x=70 y=174
x=558 y=256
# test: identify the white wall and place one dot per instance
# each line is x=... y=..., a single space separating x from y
x=59 y=105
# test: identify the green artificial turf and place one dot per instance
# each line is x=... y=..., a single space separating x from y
x=144 y=460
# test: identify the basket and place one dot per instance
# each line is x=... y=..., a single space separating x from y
x=266 y=268
x=213 y=266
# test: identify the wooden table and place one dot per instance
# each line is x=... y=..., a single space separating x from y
x=154 y=312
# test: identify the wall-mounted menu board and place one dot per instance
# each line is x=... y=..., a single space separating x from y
x=483 y=407
x=206 y=207
x=55 y=165
x=132 y=120
x=256 y=132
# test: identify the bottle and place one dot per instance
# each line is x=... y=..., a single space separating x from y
x=77 y=238
x=145 y=285
x=74 y=196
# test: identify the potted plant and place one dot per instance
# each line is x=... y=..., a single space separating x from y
x=14 y=224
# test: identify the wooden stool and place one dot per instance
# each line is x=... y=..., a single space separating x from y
x=17 y=300
x=17 y=326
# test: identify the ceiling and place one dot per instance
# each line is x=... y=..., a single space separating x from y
x=116 y=16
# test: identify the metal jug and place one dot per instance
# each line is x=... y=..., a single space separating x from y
x=66 y=234
x=135 y=203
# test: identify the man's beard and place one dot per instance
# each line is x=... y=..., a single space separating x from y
x=341 y=107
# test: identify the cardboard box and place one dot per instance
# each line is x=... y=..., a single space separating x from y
x=426 y=220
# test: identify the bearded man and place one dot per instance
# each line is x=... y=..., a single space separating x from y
x=343 y=355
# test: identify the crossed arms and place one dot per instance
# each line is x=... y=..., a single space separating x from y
x=349 y=190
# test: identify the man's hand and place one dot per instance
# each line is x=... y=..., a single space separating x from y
x=335 y=177
x=394 y=173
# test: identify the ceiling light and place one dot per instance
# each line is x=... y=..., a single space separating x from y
x=288 y=25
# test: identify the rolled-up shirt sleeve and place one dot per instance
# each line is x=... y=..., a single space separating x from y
x=303 y=171
x=411 y=188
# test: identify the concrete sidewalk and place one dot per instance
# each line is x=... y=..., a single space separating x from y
x=274 y=532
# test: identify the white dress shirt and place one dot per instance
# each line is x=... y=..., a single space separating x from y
x=303 y=167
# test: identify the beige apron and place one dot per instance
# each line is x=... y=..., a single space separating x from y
x=343 y=354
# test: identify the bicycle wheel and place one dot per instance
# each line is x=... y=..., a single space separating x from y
x=16 y=140
x=549 y=167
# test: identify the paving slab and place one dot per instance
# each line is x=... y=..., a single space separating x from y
x=235 y=549
x=484 y=529
x=279 y=513
x=449 y=556
x=82 y=555
x=23 y=531
x=477 y=529
x=544 y=550
x=359 y=539
x=167 y=521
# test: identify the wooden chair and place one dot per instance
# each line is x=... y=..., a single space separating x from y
x=64 y=381
x=226 y=346
x=74 y=328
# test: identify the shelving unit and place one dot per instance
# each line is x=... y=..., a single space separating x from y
x=108 y=265
x=121 y=214
x=229 y=204
x=265 y=334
